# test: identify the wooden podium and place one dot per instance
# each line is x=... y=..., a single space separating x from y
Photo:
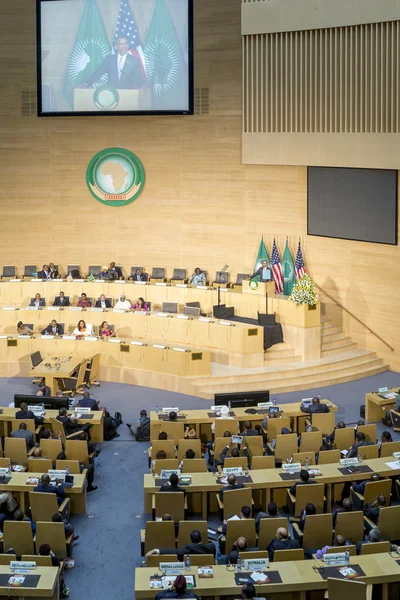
x=128 y=100
x=261 y=290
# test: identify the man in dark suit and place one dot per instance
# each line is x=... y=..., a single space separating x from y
x=316 y=407
x=53 y=328
x=61 y=300
x=102 y=302
x=71 y=424
x=88 y=402
x=44 y=486
x=122 y=69
x=304 y=480
x=248 y=430
x=264 y=272
x=173 y=485
x=196 y=546
x=23 y=433
x=116 y=272
x=24 y=413
x=44 y=273
x=232 y=485
x=139 y=276
x=239 y=546
x=360 y=441
x=281 y=542
x=347 y=506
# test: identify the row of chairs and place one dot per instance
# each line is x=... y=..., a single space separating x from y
x=18 y=535
x=15 y=451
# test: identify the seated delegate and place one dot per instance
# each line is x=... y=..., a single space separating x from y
x=61 y=300
x=105 y=274
x=140 y=304
x=139 y=276
x=198 y=277
x=44 y=273
x=81 y=330
x=105 y=331
x=103 y=303
x=23 y=329
x=53 y=328
x=115 y=272
x=54 y=274
x=84 y=302
x=37 y=301
x=123 y=303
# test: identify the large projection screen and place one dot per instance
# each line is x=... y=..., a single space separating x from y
x=110 y=57
x=352 y=204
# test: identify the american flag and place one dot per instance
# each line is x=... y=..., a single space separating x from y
x=126 y=26
x=299 y=266
x=277 y=272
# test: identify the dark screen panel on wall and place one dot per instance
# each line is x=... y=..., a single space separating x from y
x=353 y=204
x=114 y=57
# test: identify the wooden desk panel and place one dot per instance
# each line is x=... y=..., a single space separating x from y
x=375 y=406
x=48 y=586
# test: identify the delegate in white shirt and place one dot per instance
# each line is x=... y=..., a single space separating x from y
x=124 y=304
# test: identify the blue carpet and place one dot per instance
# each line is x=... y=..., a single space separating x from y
x=109 y=546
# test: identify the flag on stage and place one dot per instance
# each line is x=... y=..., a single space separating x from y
x=289 y=276
x=262 y=255
x=277 y=272
x=90 y=49
x=165 y=62
x=299 y=267
x=127 y=26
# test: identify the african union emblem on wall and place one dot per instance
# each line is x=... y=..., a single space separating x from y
x=115 y=177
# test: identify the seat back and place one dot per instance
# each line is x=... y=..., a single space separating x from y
x=328 y=457
x=240 y=277
x=368 y=452
x=262 y=462
x=220 y=443
x=344 y=438
x=239 y=461
x=286 y=446
x=158 y=273
x=201 y=560
x=73 y=466
x=5 y=559
x=388 y=449
x=194 y=465
x=291 y=554
x=373 y=488
x=15 y=450
x=221 y=277
x=310 y=493
x=154 y=561
x=351 y=549
x=389 y=522
x=43 y=506
x=179 y=274
x=29 y=270
x=375 y=548
x=51 y=448
x=75 y=268
x=4 y=462
x=39 y=465
x=255 y=445
x=167 y=445
x=41 y=561
x=256 y=554
x=300 y=457
x=275 y=427
x=30 y=424
x=245 y=528
x=94 y=270
x=18 y=535
x=310 y=441
x=344 y=588
x=166 y=463
x=317 y=530
x=350 y=525
x=77 y=450
x=185 y=445
x=9 y=271
x=369 y=431
x=58 y=429
x=81 y=375
x=172 y=503
x=186 y=528
x=170 y=307
x=159 y=534
x=234 y=500
x=222 y=425
x=93 y=368
x=175 y=431
x=54 y=535
x=268 y=529
x=324 y=422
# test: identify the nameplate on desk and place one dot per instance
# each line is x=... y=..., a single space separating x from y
x=47 y=337
x=78 y=280
x=9 y=308
x=22 y=564
x=24 y=335
x=169 y=409
x=96 y=309
x=53 y=308
x=338 y=558
x=4 y=337
x=223 y=289
x=256 y=564
x=348 y=462
x=181 y=349
x=264 y=404
x=75 y=308
x=160 y=346
x=118 y=310
x=182 y=317
x=218 y=407
x=3 y=471
x=169 y=472
x=15 y=280
x=114 y=340
x=119 y=281
x=161 y=283
x=32 y=308
x=181 y=285
x=178 y=566
x=140 y=282
x=201 y=287
x=134 y=343
x=36 y=409
x=90 y=338
x=232 y=470
x=162 y=314
x=205 y=320
x=57 y=472
x=292 y=467
x=35 y=279
x=69 y=337
x=84 y=409
x=381 y=390
x=98 y=281
x=140 y=312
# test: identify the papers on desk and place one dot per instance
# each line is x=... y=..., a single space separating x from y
x=32 y=481
x=234 y=518
x=395 y=465
x=390 y=396
x=258 y=577
x=17 y=468
x=16 y=581
x=348 y=572
x=205 y=572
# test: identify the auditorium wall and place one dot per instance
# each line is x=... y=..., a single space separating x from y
x=200 y=205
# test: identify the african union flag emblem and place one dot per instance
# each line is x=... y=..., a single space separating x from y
x=115 y=177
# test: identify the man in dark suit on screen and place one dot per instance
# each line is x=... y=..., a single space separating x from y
x=123 y=69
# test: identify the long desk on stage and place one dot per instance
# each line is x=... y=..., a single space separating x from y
x=268 y=480
x=42 y=582
x=19 y=487
x=376 y=405
x=298 y=577
x=196 y=418
x=95 y=418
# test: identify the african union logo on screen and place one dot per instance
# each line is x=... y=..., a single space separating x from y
x=115 y=177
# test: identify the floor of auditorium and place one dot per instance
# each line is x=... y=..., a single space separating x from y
x=108 y=549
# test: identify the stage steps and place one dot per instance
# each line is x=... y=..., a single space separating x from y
x=334 y=340
x=280 y=353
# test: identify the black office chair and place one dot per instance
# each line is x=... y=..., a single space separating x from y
x=30 y=270
x=9 y=271
x=170 y=307
x=158 y=274
x=180 y=275
x=222 y=277
x=240 y=277
x=74 y=271
x=94 y=270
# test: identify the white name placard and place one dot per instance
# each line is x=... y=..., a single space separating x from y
x=3 y=471
x=169 y=409
x=75 y=308
x=232 y=470
x=334 y=559
x=292 y=467
x=22 y=564
x=140 y=282
x=69 y=337
x=57 y=473
x=178 y=566
x=8 y=307
x=169 y=472
x=84 y=409
x=264 y=404
x=256 y=564
x=47 y=337
x=112 y=340
x=348 y=462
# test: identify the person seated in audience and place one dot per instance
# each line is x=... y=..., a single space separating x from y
x=308 y=510
x=248 y=429
x=373 y=537
x=161 y=455
x=316 y=407
x=272 y=513
x=347 y=506
x=45 y=487
x=53 y=328
x=84 y=302
x=23 y=329
x=8 y=506
x=163 y=435
x=37 y=301
x=172 y=485
x=271 y=415
x=358 y=486
x=102 y=302
x=45 y=550
x=44 y=273
x=115 y=272
x=198 y=277
x=82 y=330
x=189 y=455
x=90 y=471
x=105 y=331
x=196 y=546
x=54 y=274
x=140 y=304
x=239 y=546
x=139 y=275
x=325 y=446
x=386 y=438
x=47 y=434
x=372 y=510
x=24 y=413
x=272 y=444
x=304 y=480
x=173 y=417
x=281 y=541
x=245 y=513
x=87 y=402
x=44 y=389
x=338 y=540
x=37 y=453
x=25 y=434
x=228 y=453
x=123 y=303
x=360 y=441
x=232 y=485
x=105 y=274
x=20 y=516
x=68 y=529
x=248 y=591
x=331 y=436
x=61 y=300
x=71 y=424
x=178 y=590
x=110 y=426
